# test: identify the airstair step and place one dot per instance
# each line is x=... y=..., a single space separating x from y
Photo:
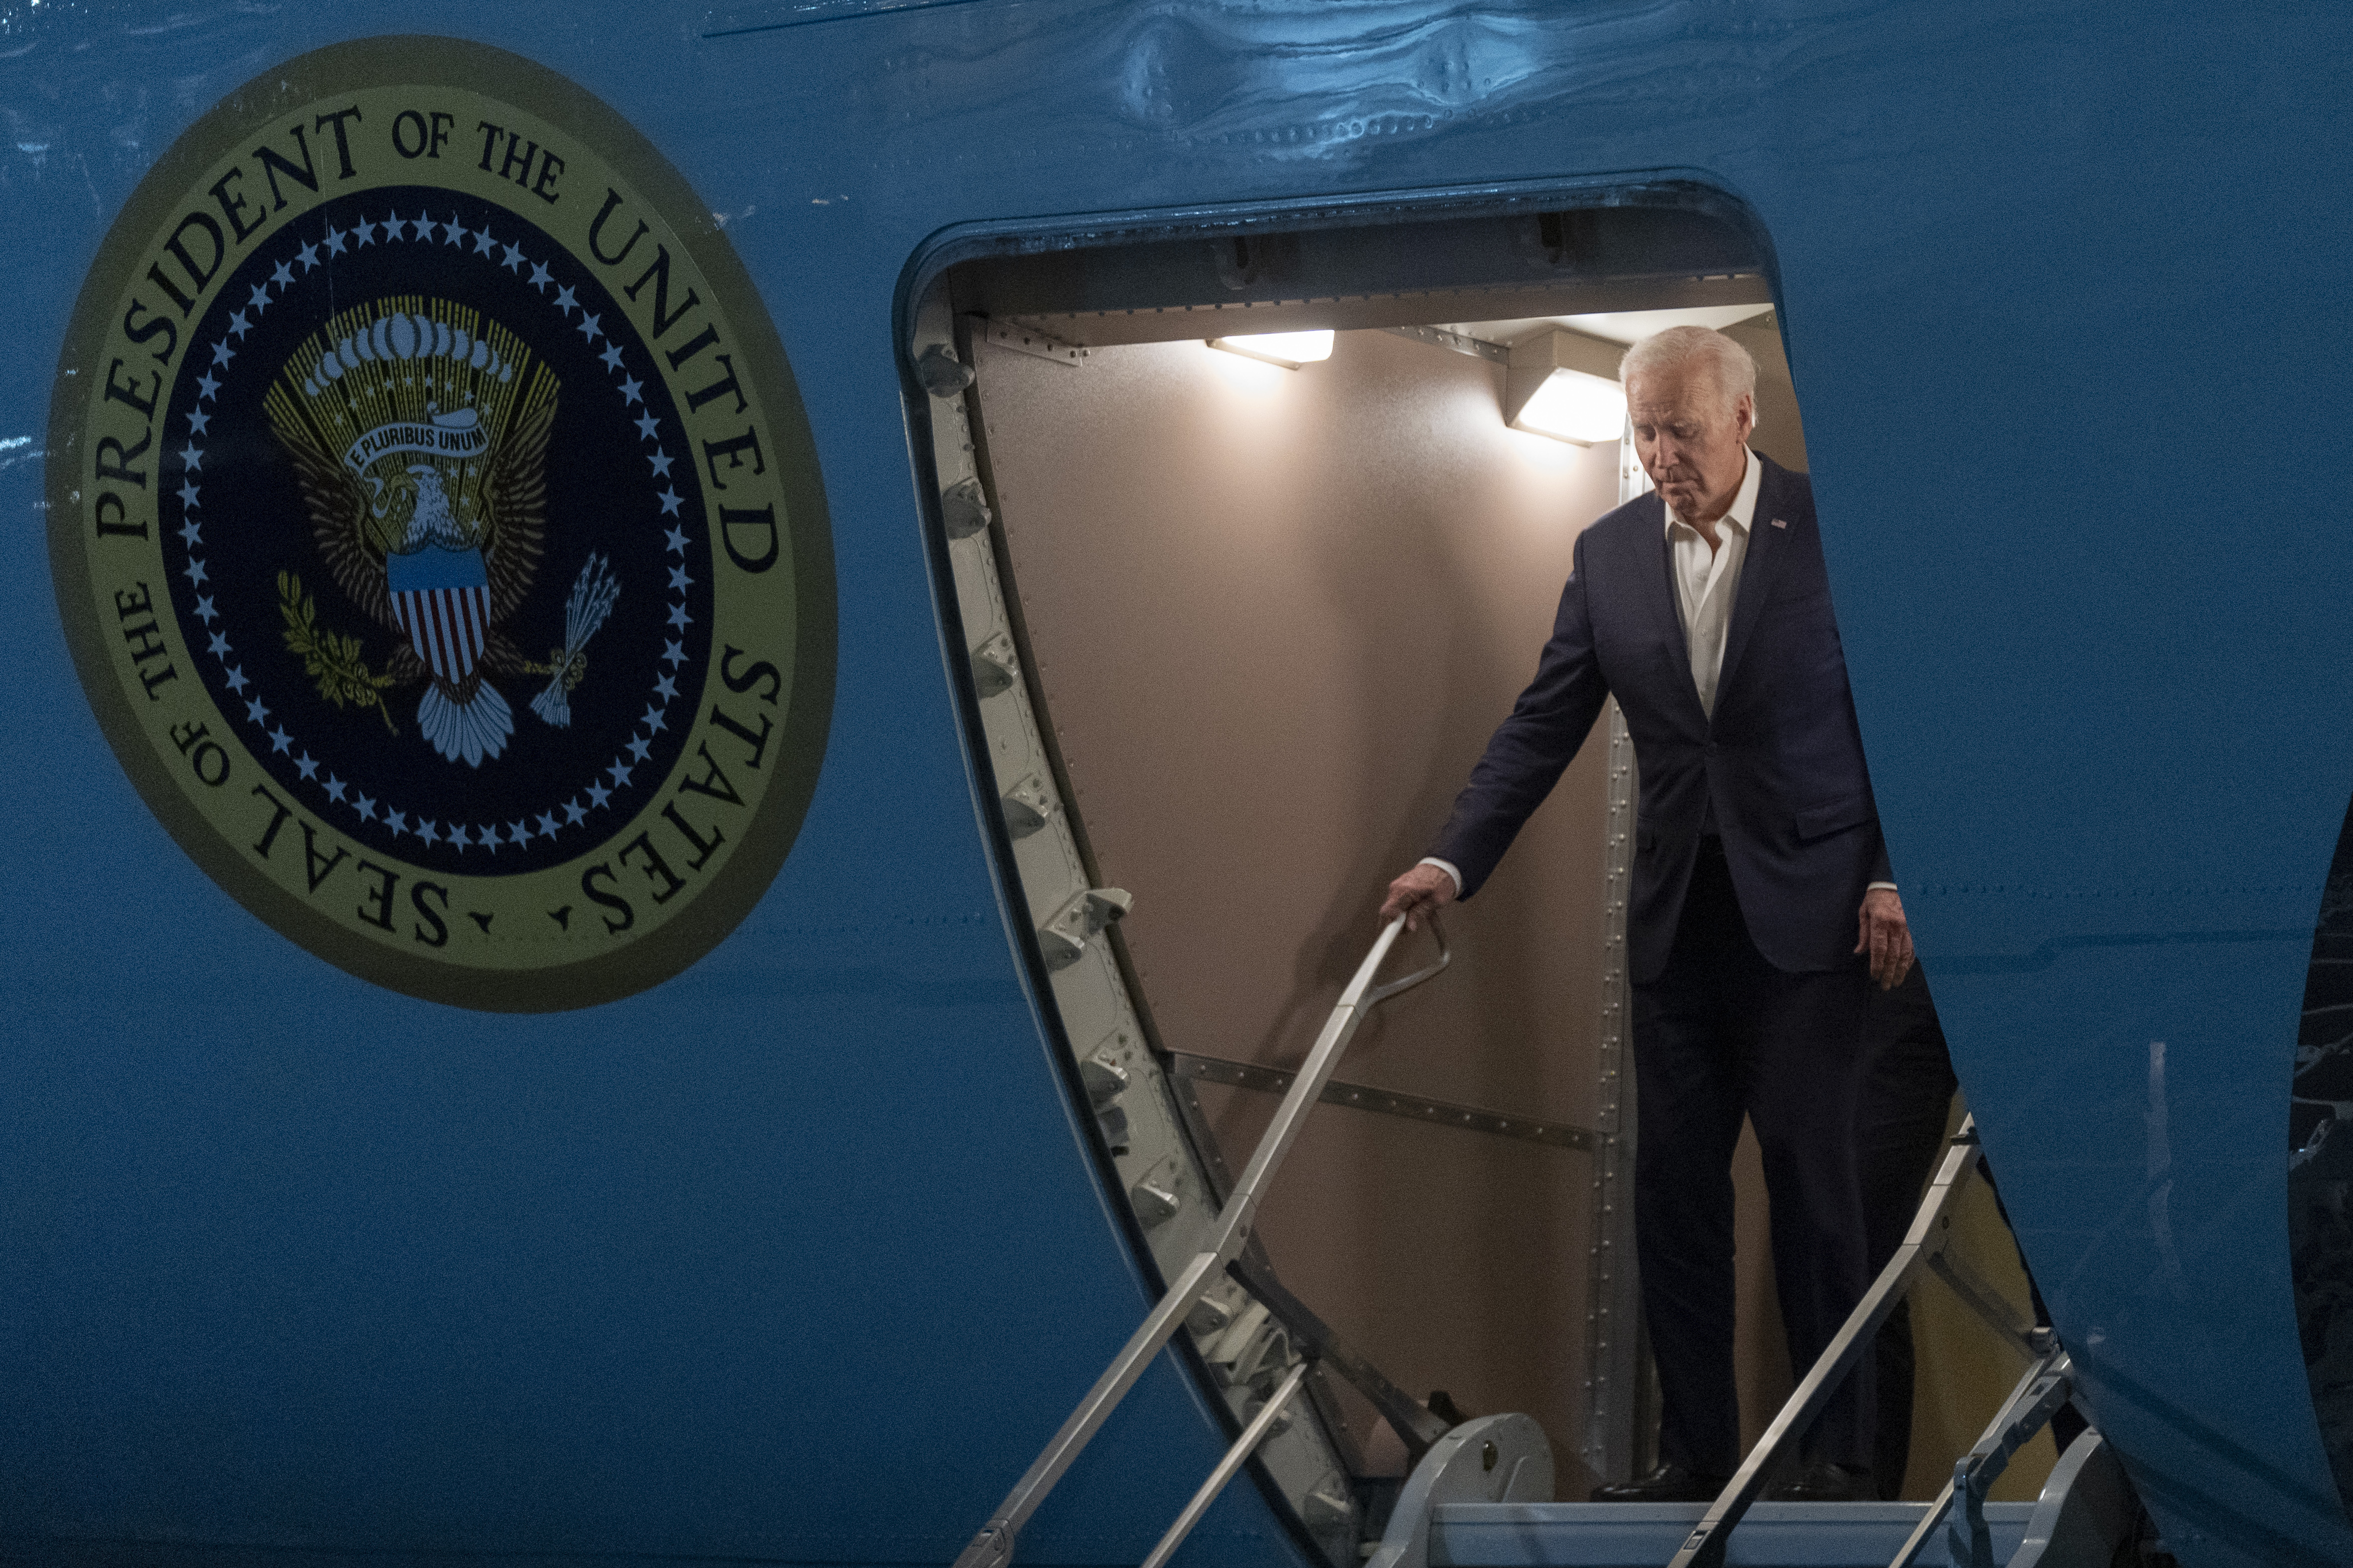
x=1647 y=1535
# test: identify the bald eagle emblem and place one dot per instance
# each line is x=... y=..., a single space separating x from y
x=420 y=439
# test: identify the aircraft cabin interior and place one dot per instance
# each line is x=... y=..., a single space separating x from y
x=1254 y=537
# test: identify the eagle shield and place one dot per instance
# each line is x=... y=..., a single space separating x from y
x=442 y=599
x=419 y=433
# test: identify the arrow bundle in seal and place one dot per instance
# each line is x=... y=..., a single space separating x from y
x=593 y=594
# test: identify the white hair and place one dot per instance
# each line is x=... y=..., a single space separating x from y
x=1733 y=371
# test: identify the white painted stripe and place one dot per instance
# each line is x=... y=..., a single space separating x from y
x=445 y=636
x=473 y=605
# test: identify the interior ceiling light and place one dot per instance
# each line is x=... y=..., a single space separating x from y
x=1289 y=350
x=1565 y=386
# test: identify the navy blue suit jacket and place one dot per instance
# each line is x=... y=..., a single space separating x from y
x=1781 y=762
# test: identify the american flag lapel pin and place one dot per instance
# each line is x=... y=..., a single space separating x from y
x=1778 y=522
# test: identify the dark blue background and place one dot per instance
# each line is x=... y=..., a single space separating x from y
x=600 y=498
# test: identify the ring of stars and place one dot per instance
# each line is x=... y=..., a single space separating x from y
x=490 y=837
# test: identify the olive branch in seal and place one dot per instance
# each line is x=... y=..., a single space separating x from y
x=330 y=659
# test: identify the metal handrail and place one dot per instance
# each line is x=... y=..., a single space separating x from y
x=993 y=1546
x=1931 y=1231
x=2027 y=1411
x=1243 y=1448
x=1416 y=1427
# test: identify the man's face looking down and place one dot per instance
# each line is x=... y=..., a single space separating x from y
x=1689 y=438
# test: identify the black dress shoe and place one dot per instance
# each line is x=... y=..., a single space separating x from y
x=1668 y=1483
x=1823 y=1481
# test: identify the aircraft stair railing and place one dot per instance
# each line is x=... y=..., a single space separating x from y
x=1458 y=1506
x=1968 y=1543
x=1460 y=1503
x=2039 y=1395
x=1416 y=1426
x=993 y=1546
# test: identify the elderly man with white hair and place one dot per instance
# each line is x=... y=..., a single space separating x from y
x=1762 y=907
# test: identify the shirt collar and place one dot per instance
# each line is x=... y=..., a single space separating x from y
x=1742 y=513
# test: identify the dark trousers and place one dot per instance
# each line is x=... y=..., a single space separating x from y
x=1907 y=1095
x=1721 y=1033
x=1900 y=1136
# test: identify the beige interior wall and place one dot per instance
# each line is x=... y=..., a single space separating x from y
x=1781 y=435
x=1966 y=1370
x=1275 y=616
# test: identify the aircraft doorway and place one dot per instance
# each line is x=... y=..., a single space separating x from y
x=1264 y=616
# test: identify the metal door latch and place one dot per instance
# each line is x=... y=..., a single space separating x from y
x=1105 y=1079
x=1028 y=805
x=941 y=373
x=964 y=508
x=994 y=666
x=1156 y=1198
x=1210 y=1315
x=1065 y=937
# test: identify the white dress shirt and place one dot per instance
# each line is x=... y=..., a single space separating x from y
x=1707 y=582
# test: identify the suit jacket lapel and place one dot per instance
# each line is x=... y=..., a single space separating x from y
x=1766 y=546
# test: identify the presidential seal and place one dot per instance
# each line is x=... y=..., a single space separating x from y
x=437 y=532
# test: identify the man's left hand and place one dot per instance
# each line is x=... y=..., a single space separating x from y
x=1880 y=932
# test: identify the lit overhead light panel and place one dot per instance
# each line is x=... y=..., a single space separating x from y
x=1289 y=350
x=1565 y=386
